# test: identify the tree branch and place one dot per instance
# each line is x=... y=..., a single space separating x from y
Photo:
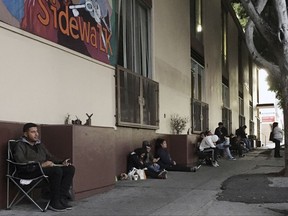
x=249 y=36
x=281 y=9
x=262 y=26
x=258 y=58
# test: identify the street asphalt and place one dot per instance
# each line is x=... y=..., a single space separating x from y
x=247 y=186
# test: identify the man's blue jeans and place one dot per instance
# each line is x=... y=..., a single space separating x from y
x=225 y=147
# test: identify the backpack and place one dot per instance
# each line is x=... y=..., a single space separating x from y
x=271 y=136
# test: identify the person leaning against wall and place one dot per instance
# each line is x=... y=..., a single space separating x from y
x=277 y=139
x=165 y=161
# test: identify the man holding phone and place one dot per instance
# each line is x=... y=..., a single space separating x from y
x=60 y=173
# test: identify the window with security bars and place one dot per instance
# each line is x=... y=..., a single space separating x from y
x=241 y=112
x=251 y=122
x=134 y=48
x=137 y=100
x=241 y=106
x=197 y=71
x=241 y=120
x=251 y=111
x=227 y=119
x=200 y=112
x=251 y=128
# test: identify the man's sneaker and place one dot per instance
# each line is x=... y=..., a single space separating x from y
x=233 y=158
x=215 y=164
x=57 y=207
x=163 y=174
x=65 y=204
x=195 y=168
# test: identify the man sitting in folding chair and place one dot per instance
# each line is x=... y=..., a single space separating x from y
x=60 y=173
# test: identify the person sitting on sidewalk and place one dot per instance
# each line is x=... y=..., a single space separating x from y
x=149 y=161
x=237 y=145
x=204 y=157
x=208 y=144
x=136 y=160
x=165 y=161
x=60 y=173
x=223 y=141
x=240 y=133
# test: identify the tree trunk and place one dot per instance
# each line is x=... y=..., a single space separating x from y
x=277 y=41
x=285 y=114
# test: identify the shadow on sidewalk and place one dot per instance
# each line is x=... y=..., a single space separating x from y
x=254 y=188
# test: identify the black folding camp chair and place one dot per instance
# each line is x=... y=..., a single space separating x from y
x=205 y=156
x=17 y=175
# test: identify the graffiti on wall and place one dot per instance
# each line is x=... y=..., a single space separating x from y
x=85 y=26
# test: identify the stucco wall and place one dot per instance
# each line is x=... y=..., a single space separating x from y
x=171 y=51
x=213 y=63
x=42 y=82
x=233 y=45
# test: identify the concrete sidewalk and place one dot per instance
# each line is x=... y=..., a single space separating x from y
x=189 y=193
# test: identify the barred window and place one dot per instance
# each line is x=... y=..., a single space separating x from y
x=227 y=119
x=241 y=106
x=137 y=100
x=200 y=116
x=197 y=79
x=241 y=120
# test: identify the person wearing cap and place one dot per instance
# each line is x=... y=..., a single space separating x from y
x=136 y=160
x=148 y=159
x=208 y=143
x=151 y=162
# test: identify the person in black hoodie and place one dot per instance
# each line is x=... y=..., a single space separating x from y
x=165 y=161
x=240 y=133
x=136 y=160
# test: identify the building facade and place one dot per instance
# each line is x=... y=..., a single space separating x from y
x=131 y=63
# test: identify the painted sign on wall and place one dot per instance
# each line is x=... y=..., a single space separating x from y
x=85 y=26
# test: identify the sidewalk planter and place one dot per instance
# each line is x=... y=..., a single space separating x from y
x=183 y=148
x=91 y=150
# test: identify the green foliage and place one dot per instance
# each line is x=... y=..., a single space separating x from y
x=240 y=13
x=275 y=86
x=270 y=17
x=178 y=123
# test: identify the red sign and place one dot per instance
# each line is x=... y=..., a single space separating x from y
x=268 y=118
